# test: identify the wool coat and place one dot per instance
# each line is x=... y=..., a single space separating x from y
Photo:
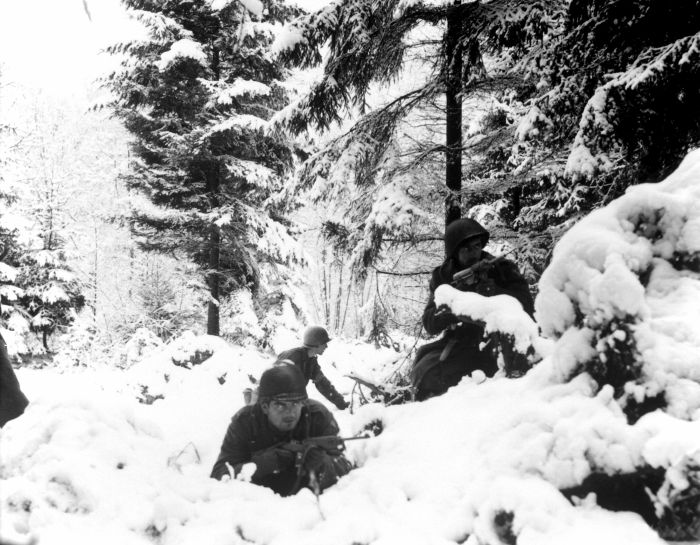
x=312 y=371
x=251 y=438
x=462 y=348
x=12 y=400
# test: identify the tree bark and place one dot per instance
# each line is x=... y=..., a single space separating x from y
x=213 y=275
x=213 y=281
x=453 y=121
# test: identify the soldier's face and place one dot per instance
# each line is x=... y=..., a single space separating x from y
x=469 y=252
x=318 y=350
x=283 y=415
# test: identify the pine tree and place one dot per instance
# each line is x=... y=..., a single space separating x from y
x=610 y=101
x=197 y=93
x=10 y=251
x=12 y=225
x=439 y=47
x=565 y=105
x=56 y=155
x=51 y=292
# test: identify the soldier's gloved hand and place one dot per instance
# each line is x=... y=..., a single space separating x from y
x=314 y=458
x=486 y=287
x=444 y=317
x=272 y=460
x=342 y=404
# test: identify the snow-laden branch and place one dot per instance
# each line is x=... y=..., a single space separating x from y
x=499 y=313
x=596 y=147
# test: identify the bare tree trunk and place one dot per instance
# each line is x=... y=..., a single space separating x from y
x=325 y=295
x=338 y=297
x=453 y=121
x=94 y=275
x=213 y=274
x=347 y=300
x=213 y=282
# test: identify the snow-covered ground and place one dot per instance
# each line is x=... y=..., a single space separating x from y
x=482 y=464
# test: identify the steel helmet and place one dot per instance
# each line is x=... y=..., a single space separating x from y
x=315 y=336
x=283 y=382
x=460 y=230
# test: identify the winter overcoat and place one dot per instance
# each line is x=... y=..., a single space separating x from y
x=12 y=400
x=442 y=364
x=250 y=434
x=312 y=371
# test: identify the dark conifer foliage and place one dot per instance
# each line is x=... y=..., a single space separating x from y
x=565 y=105
x=197 y=93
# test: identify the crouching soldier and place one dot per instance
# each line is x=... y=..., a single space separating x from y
x=305 y=357
x=462 y=350
x=12 y=400
x=276 y=434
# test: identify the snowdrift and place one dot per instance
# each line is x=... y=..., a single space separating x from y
x=484 y=464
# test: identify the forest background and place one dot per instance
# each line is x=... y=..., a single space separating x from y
x=236 y=176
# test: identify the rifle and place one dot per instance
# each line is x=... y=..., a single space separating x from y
x=332 y=444
x=388 y=396
x=477 y=273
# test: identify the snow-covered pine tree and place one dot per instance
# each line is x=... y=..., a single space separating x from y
x=8 y=225
x=39 y=291
x=565 y=105
x=10 y=252
x=12 y=316
x=197 y=93
x=391 y=181
x=610 y=101
x=52 y=293
x=405 y=53
x=628 y=72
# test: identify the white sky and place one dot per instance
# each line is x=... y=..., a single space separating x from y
x=51 y=44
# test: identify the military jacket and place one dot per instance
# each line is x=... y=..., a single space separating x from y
x=312 y=371
x=250 y=432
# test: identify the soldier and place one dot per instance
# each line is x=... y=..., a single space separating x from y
x=271 y=434
x=12 y=400
x=305 y=357
x=443 y=363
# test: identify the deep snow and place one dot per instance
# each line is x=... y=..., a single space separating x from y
x=87 y=463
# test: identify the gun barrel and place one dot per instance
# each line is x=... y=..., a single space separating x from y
x=356 y=437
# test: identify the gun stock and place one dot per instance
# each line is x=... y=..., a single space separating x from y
x=472 y=275
x=330 y=443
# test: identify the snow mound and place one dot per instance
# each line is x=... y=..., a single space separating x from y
x=625 y=281
x=486 y=463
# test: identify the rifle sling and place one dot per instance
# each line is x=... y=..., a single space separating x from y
x=448 y=348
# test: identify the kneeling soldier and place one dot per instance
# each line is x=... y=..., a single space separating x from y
x=272 y=433
x=305 y=357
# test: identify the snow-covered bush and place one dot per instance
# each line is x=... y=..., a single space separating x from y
x=626 y=279
x=489 y=462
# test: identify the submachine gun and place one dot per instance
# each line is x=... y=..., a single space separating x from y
x=332 y=444
x=476 y=277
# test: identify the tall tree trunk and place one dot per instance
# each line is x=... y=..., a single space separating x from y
x=213 y=281
x=213 y=275
x=338 y=297
x=325 y=289
x=453 y=121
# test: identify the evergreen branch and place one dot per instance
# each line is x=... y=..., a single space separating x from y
x=394 y=273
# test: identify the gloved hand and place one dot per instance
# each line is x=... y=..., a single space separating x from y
x=272 y=460
x=314 y=458
x=486 y=287
x=444 y=317
x=342 y=404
